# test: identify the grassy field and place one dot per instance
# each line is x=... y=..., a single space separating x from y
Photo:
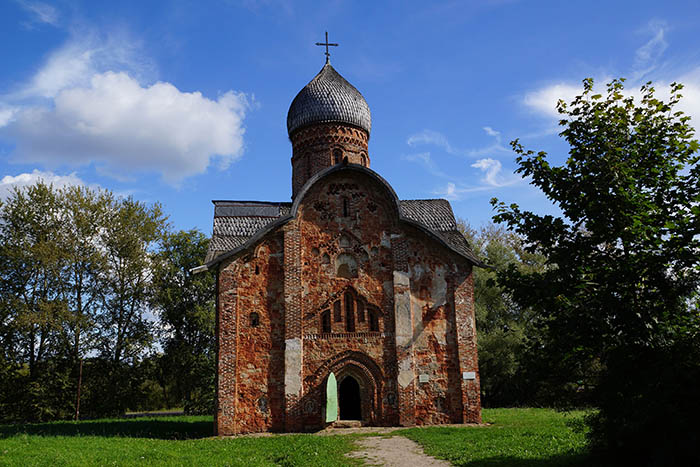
x=178 y=440
x=517 y=437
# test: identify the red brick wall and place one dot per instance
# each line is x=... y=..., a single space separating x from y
x=313 y=146
x=326 y=233
x=444 y=347
x=345 y=214
x=252 y=387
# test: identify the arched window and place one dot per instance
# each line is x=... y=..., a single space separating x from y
x=326 y=321
x=254 y=320
x=337 y=156
x=363 y=159
x=349 y=312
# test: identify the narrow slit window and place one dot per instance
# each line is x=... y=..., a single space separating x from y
x=254 y=320
x=373 y=320
x=349 y=313
x=257 y=269
x=337 y=156
x=326 y=321
x=337 y=312
x=346 y=210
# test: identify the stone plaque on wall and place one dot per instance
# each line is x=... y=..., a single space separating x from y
x=469 y=375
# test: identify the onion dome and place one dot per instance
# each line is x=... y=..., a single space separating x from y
x=328 y=98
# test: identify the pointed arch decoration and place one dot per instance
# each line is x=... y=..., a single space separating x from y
x=346 y=312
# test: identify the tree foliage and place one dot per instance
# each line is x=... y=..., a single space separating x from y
x=622 y=274
x=185 y=303
x=77 y=284
x=510 y=343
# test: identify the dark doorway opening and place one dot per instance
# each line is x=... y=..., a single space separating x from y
x=349 y=399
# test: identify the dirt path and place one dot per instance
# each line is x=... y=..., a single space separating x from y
x=396 y=451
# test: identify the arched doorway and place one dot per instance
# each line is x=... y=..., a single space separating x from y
x=349 y=399
x=360 y=395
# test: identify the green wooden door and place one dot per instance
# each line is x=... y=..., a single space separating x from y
x=331 y=399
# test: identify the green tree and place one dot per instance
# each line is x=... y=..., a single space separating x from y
x=85 y=217
x=185 y=303
x=31 y=272
x=129 y=237
x=505 y=330
x=125 y=325
x=622 y=266
x=75 y=283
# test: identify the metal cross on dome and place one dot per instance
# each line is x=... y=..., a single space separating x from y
x=327 y=44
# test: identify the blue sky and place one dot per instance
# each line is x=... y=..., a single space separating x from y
x=183 y=102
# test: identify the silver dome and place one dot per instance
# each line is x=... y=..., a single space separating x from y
x=328 y=98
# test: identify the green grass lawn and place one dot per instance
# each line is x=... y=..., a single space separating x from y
x=518 y=437
x=180 y=440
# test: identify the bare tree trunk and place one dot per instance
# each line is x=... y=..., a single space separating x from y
x=80 y=381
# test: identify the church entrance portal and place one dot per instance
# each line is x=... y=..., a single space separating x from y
x=349 y=399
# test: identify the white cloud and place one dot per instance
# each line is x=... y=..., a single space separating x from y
x=118 y=122
x=427 y=161
x=544 y=100
x=435 y=138
x=42 y=12
x=492 y=173
x=647 y=56
x=9 y=182
x=88 y=105
x=491 y=132
x=646 y=59
x=491 y=168
x=67 y=68
x=86 y=54
x=6 y=114
x=454 y=193
x=431 y=137
x=449 y=192
x=493 y=179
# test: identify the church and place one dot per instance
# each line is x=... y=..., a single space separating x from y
x=346 y=303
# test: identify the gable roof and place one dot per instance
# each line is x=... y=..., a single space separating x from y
x=236 y=222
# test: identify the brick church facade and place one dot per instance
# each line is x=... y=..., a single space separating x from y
x=346 y=295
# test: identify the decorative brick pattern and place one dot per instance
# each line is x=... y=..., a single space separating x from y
x=410 y=371
x=313 y=148
x=354 y=284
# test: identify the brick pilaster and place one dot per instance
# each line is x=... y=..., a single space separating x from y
x=403 y=319
x=466 y=348
x=293 y=342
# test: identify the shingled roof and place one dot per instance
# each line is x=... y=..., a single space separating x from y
x=237 y=221
x=328 y=98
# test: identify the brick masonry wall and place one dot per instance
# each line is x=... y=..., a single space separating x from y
x=445 y=341
x=346 y=246
x=313 y=146
x=253 y=387
x=466 y=345
x=342 y=217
